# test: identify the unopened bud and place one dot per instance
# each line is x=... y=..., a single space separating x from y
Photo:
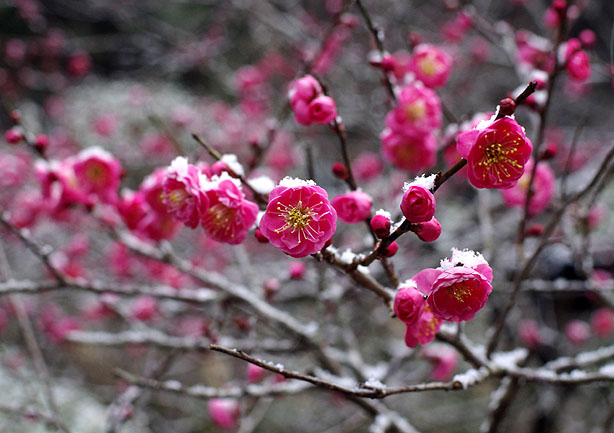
x=41 y=142
x=507 y=107
x=391 y=250
x=13 y=136
x=380 y=224
x=260 y=237
x=340 y=170
x=534 y=230
x=550 y=151
x=429 y=231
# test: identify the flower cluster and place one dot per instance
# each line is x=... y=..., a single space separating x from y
x=91 y=176
x=455 y=291
x=407 y=141
x=309 y=103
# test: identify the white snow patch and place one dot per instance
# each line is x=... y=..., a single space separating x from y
x=468 y=258
x=347 y=256
x=295 y=182
x=607 y=369
x=212 y=182
x=180 y=166
x=231 y=161
x=509 y=360
x=470 y=377
x=95 y=152
x=384 y=213
x=262 y=184
x=374 y=383
x=408 y=283
x=426 y=182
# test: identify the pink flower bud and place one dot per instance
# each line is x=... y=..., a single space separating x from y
x=380 y=224
x=391 y=250
x=578 y=66
x=353 y=207
x=13 y=136
x=587 y=37
x=15 y=116
x=322 y=110
x=534 y=230
x=550 y=151
x=409 y=303
x=418 y=204
x=297 y=270
x=577 y=332
x=429 y=231
x=224 y=412
x=271 y=287
x=41 y=142
x=602 y=322
x=340 y=170
x=304 y=89
x=529 y=334
x=255 y=373
x=260 y=237
x=507 y=107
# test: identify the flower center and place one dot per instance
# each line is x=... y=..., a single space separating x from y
x=297 y=218
x=429 y=66
x=95 y=173
x=177 y=197
x=459 y=291
x=415 y=111
x=497 y=156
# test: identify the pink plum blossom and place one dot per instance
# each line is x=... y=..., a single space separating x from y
x=444 y=359
x=459 y=288
x=185 y=199
x=496 y=154
x=97 y=172
x=352 y=207
x=431 y=65
x=224 y=412
x=410 y=153
x=459 y=293
x=417 y=113
x=298 y=219
x=230 y=215
x=424 y=330
x=367 y=166
x=543 y=188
